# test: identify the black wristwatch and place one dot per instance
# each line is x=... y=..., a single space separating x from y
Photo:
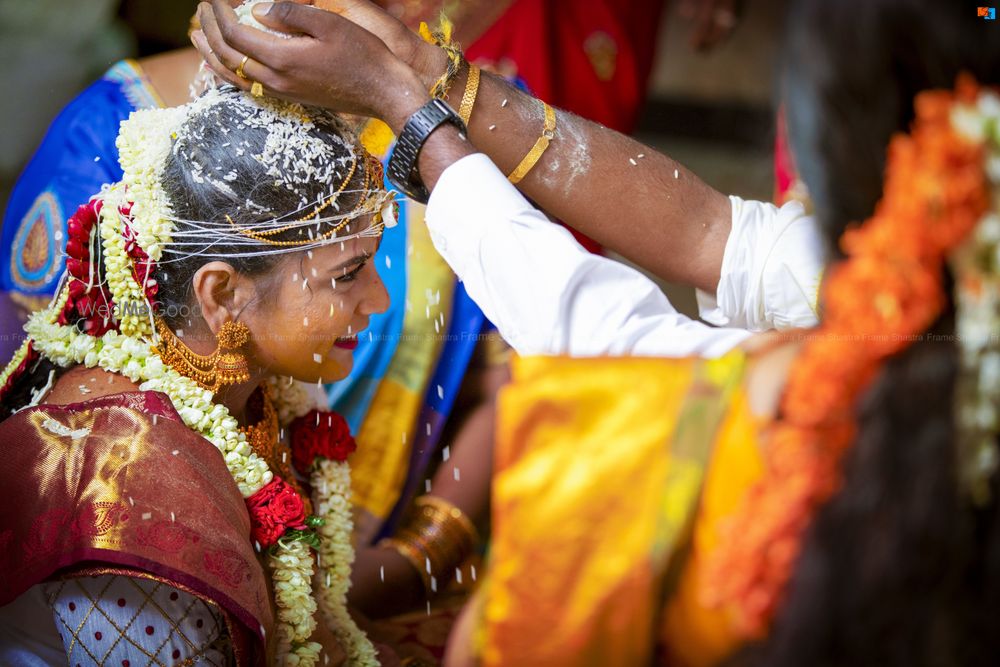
x=403 y=171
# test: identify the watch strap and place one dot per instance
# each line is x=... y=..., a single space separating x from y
x=402 y=170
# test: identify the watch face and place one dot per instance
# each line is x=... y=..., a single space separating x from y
x=403 y=171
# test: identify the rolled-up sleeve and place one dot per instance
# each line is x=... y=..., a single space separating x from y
x=771 y=269
x=546 y=293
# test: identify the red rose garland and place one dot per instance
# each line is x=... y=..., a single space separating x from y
x=277 y=510
x=86 y=297
x=142 y=265
x=320 y=435
x=274 y=510
x=89 y=302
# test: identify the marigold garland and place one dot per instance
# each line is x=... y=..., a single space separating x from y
x=887 y=291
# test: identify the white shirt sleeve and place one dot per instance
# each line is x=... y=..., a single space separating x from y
x=771 y=269
x=546 y=293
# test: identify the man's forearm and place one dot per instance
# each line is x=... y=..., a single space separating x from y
x=626 y=196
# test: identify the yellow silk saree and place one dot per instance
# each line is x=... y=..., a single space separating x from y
x=611 y=477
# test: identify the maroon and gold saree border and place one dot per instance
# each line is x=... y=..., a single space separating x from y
x=120 y=481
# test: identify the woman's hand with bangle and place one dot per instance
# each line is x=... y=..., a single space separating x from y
x=330 y=61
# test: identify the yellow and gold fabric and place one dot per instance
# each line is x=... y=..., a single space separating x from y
x=603 y=470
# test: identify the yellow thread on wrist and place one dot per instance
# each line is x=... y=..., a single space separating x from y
x=442 y=37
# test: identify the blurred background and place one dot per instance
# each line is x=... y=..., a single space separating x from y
x=710 y=100
x=50 y=50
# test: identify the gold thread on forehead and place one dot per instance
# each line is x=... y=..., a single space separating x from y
x=318 y=209
x=373 y=176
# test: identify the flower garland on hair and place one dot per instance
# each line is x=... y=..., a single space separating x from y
x=81 y=299
x=89 y=301
x=136 y=216
x=976 y=267
x=321 y=443
x=890 y=284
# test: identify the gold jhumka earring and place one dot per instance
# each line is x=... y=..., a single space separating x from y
x=225 y=366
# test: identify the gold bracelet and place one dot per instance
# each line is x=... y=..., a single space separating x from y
x=469 y=98
x=449 y=515
x=536 y=152
x=435 y=537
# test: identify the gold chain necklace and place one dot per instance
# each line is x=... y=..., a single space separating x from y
x=263 y=436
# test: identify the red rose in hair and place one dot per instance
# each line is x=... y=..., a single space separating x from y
x=320 y=435
x=273 y=510
x=83 y=295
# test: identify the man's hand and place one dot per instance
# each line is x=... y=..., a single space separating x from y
x=428 y=61
x=425 y=59
x=329 y=61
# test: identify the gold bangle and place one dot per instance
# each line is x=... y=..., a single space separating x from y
x=449 y=514
x=469 y=98
x=536 y=152
x=435 y=537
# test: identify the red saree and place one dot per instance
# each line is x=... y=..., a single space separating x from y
x=119 y=484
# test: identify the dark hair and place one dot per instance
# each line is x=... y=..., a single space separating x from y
x=898 y=568
x=216 y=173
x=851 y=70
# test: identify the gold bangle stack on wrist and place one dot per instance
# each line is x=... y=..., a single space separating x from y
x=436 y=537
x=536 y=152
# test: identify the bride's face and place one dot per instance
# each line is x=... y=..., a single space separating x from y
x=312 y=309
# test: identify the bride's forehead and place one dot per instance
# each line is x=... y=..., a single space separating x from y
x=338 y=252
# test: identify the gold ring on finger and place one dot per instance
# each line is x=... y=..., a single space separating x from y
x=257 y=89
x=239 y=70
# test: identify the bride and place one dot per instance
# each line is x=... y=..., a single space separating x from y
x=232 y=259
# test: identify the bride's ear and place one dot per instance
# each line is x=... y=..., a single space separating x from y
x=221 y=292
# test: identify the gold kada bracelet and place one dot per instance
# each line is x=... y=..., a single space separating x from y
x=436 y=537
x=535 y=154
